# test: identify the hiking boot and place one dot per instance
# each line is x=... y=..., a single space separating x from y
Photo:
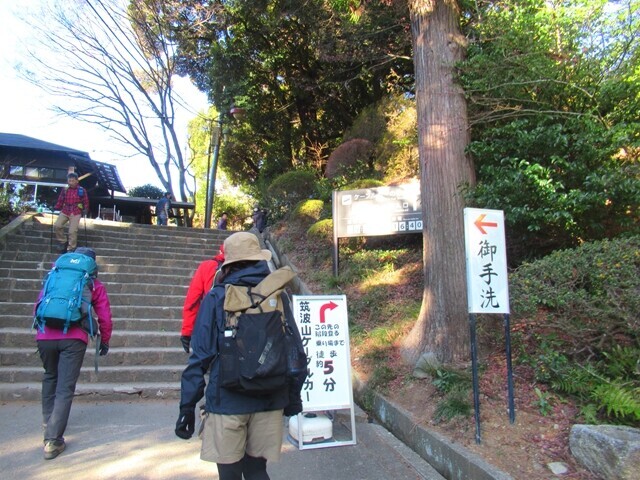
x=62 y=248
x=53 y=448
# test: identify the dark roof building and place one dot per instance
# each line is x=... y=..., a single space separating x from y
x=28 y=159
x=42 y=167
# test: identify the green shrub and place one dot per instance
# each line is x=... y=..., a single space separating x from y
x=308 y=210
x=455 y=404
x=146 y=191
x=585 y=294
x=607 y=386
x=582 y=310
x=321 y=230
x=363 y=183
x=287 y=190
x=558 y=182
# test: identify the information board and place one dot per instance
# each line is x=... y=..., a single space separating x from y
x=324 y=328
x=377 y=211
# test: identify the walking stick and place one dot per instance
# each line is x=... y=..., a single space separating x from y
x=85 y=230
x=51 y=236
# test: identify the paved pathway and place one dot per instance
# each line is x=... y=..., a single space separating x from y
x=121 y=440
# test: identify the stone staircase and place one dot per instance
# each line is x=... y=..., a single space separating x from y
x=146 y=271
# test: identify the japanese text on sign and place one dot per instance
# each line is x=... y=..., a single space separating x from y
x=324 y=328
x=378 y=211
x=487 y=281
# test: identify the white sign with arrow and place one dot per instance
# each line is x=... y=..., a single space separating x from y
x=487 y=280
x=324 y=328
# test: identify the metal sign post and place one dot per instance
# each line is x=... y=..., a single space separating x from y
x=487 y=286
x=324 y=328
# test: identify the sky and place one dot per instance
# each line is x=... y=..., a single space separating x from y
x=25 y=109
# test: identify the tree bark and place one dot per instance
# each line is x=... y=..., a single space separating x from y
x=441 y=327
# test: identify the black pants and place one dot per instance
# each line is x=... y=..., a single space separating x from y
x=251 y=467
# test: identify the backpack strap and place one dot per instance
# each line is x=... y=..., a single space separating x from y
x=238 y=299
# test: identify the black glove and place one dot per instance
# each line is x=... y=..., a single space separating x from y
x=294 y=408
x=186 y=423
x=104 y=348
x=186 y=342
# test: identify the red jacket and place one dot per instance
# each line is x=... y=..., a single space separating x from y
x=70 y=198
x=200 y=285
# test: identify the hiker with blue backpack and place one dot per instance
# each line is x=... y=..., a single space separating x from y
x=72 y=306
x=245 y=338
x=72 y=203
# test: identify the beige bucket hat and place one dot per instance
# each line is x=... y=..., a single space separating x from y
x=242 y=246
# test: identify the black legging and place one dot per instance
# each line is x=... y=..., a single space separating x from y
x=253 y=468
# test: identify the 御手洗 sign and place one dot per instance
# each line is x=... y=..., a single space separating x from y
x=324 y=328
x=377 y=211
x=487 y=281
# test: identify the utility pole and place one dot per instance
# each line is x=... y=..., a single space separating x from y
x=216 y=131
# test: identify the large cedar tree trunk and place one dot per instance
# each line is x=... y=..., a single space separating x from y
x=441 y=327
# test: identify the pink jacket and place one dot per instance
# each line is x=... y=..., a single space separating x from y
x=102 y=309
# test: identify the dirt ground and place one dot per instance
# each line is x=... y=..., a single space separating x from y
x=522 y=449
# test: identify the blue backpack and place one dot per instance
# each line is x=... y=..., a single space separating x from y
x=66 y=297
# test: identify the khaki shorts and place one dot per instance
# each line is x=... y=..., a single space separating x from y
x=226 y=438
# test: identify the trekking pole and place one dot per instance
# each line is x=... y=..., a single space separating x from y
x=86 y=244
x=51 y=236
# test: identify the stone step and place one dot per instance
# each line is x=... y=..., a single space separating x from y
x=174 y=297
x=169 y=276
x=95 y=237
x=118 y=311
x=180 y=268
x=123 y=324
x=43 y=225
x=106 y=374
x=25 y=338
x=27 y=251
x=24 y=290
x=146 y=270
x=134 y=249
x=139 y=356
x=96 y=391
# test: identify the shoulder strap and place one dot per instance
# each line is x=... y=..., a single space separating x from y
x=238 y=298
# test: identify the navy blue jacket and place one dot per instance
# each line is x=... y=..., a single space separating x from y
x=208 y=328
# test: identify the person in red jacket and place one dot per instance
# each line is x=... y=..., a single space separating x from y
x=62 y=355
x=200 y=285
x=72 y=202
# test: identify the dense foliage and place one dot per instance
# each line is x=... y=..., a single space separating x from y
x=554 y=98
x=301 y=70
x=577 y=318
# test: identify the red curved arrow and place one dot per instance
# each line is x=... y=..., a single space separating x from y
x=324 y=308
x=479 y=223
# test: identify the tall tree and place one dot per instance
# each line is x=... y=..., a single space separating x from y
x=114 y=68
x=302 y=71
x=442 y=138
x=445 y=171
